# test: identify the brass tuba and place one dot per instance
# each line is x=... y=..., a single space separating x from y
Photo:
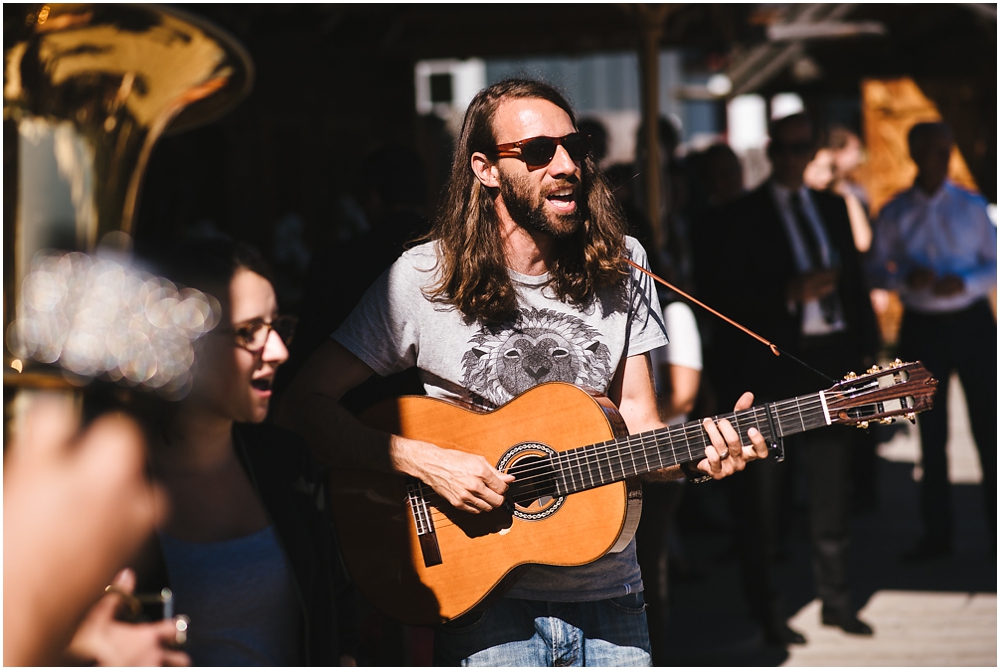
x=88 y=90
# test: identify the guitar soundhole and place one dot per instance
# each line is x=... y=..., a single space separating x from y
x=532 y=496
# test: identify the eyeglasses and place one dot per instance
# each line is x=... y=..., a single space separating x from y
x=537 y=152
x=796 y=148
x=252 y=335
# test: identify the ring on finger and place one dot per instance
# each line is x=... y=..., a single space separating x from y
x=181 y=625
x=724 y=455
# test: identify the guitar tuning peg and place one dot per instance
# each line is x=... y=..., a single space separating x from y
x=850 y=375
x=873 y=369
x=896 y=364
x=862 y=424
x=912 y=416
x=888 y=420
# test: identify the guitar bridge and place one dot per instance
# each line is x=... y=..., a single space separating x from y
x=424 y=523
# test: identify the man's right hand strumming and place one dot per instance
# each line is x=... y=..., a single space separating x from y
x=467 y=481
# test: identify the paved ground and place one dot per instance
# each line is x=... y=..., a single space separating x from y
x=941 y=613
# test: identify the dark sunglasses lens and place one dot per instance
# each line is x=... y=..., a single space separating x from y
x=538 y=152
x=577 y=146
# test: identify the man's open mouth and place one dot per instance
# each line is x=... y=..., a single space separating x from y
x=563 y=199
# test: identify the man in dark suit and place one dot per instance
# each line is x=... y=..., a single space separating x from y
x=782 y=261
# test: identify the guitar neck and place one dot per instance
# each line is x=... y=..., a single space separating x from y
x=603 y=463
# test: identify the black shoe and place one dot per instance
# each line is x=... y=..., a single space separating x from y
x=926 y=549
x=778 y=632
x=845 y=621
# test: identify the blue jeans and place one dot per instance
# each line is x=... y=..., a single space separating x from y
x=529 y=633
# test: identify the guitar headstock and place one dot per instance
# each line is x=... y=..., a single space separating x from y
x=881 y=394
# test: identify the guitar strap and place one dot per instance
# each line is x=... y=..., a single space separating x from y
x=775 y=349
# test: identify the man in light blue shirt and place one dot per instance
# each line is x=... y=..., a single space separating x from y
x=935 y=244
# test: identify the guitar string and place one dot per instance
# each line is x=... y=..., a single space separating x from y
x=811 y=412
x=442 y=520
x=687 y=432
x=690 y=431
x=598 y=455
x=646 y=451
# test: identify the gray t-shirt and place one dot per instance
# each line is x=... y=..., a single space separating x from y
x=396 y=327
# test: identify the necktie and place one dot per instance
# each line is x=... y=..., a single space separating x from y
x=828 y=303
x=806 y=232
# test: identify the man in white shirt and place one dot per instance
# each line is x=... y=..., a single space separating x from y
x=935 y=244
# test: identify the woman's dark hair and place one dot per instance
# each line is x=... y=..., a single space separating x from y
x=209 y=264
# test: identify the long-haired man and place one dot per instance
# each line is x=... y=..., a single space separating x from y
x=522 y=280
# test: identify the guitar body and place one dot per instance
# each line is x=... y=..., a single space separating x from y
x=398 y=571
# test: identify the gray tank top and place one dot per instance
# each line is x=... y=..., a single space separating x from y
x=240 y=597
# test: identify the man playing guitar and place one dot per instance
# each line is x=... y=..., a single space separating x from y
x=521 y=281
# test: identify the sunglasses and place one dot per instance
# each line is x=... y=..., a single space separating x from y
x=537 y=152
x=252 y=335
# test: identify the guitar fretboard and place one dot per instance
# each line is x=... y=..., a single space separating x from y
x=606 y=462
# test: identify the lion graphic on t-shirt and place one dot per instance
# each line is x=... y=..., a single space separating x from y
x=541 y=345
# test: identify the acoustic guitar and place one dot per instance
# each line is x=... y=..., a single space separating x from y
x=576 y=495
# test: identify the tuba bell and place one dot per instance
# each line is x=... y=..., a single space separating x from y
x=88 y=90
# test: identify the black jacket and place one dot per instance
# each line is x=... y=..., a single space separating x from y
x=292 y=488
x=743 y=264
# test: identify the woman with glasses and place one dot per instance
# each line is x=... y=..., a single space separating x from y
x=246 y=547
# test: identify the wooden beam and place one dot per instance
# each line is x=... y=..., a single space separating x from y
x=823 y=30
x=651 y=20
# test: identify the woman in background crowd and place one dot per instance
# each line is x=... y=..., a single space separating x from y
x=247 y=549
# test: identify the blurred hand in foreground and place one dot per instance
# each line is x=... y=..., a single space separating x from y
x=104 y=640
x=76 y=508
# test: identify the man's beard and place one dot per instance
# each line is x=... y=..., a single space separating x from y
x=517 y=197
